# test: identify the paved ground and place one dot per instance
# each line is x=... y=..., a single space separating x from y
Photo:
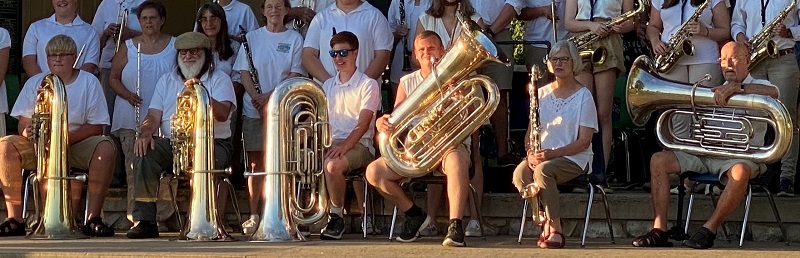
x=375 y=246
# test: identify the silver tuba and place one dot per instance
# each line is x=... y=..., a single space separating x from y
x=297 y=135
x=715 y=130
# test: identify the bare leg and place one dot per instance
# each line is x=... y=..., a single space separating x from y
x=101 y=169
x=455 y=165
x=499 y=122
x=256 y=183
x=334 y=179
x=662 y=164
x=434 y=199
x=386 y=183
x=731 y=197
x=604 y=94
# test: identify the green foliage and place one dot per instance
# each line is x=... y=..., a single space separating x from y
x=517 y=34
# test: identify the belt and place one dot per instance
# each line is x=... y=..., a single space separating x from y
x=784 y=52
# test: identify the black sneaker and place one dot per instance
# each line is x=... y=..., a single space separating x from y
x=703 y=239
x=335 y=228
x=455 y=235
x=786 y=188
x=12 y=227
x=144 y=229
x=412 y=227
x=96 y=228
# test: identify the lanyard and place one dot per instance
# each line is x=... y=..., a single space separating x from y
x=763 y=12
x=683 y=8
x=591 y=12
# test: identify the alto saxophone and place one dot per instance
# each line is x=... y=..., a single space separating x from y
x=679 y=44
x=762 y=45
x=586 y=39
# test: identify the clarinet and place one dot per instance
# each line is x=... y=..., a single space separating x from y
x=406 y=53
x=531 y=191
x=253 y=71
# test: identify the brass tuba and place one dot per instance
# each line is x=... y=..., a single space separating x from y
x=762 y=45
x=679 y=43
x=192 y=129
x=583 y=41
x=49 y=133
x=297 y=135
x=715 y=130
x=445 y=106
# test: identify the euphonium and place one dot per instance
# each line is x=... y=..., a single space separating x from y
x=583 y=41
x=679 y=43
x=444 y=99
x=49 y=134
x=762 y=45
x=192 y=129
x=297 y=135
x=712 y=131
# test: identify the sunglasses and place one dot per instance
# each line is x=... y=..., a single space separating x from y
x=341 y=53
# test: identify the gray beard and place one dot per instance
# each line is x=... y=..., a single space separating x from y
x=190 y=71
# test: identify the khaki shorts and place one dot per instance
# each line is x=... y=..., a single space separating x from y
x=462 y=149
x=719 y=166
x=253 y=131
x=80 y=154
x=357 y=157
x=615 y=57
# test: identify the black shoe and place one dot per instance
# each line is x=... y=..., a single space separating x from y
x=144 y=229
x=12 y=227
x=703 y=239
x=96 y=228
x=335 y=228
x=654 y=238
x=412 y=226
x=455 y=235
x=786 y=188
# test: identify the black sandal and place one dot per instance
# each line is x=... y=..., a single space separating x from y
x=12 y=227
x=654 y=238
x=96 y=228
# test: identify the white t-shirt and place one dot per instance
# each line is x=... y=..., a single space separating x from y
x=5 y=42
x=412 y=15
x=275 y=56
x=366 y=22
x=170 y=85
x=561 y=119
x=153 y=67
x=41 y=31
x=490 y=9
x=238 y=13
x=672 y=19
x=746 y=19
x=106 y=15
x=345 y=102
x=226 y=66
x=541 y=28
x=436 y=25
x=604 y=9
x=86 y=103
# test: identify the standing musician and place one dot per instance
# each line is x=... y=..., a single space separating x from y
x=403 y=25
x=65 y=21
x=455 y=163
x=589 y=15
x=566 y=146
x=5 y=51
x=734 y=173
x=361 y=19
x=88 y=149
x=141 y=61
x=538 y=18
x=353 y=99
x=276 y=52
x=749 y=19
x=303 y=11
x=154 y=154
x=238 y=14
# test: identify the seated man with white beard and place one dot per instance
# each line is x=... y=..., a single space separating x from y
x=154 y=153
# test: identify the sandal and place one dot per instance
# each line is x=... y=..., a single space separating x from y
x=654 y=238
x=249 y=226
x=12 y=227
x=96 y=228
x=540 y=242
x=553 y=244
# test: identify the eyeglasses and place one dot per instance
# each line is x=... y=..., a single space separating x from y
x=210 y=19
x=59 y=56
x=341 y=53
x=193 y=51
x=271 y=7
x=734 y=59
x=559 y=59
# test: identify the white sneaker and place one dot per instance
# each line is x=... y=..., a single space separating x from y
x=716 y=190
x=473 y=229
x=368 y=228
x=430 y=230
x=249 y=227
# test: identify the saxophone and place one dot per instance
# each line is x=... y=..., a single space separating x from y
x=679 y=44
x=762 y=45
x=585 y=40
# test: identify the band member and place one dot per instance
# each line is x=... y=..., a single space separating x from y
x=749 y=18
x=568 y=119
x=538 y=19
x=455 y=163
x=353 y=99
x=108 y=21
x=361 y=19
x=303 y=11
x=65 y=20
x=404 y=28
x=143 y=66
x=88 y=149
x=237 y=14
x=5 y=52
x=154 y=154
x=276 y=52
x=734 y=173
x=440 y=17
x=589 y=15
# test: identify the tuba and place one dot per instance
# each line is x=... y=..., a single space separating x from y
x=297 y=135
x=192 y=129
x=714 y=131
x=585 y=40
x=444 y=107
x=679 y=43
x=762 y=45
x=49 y=133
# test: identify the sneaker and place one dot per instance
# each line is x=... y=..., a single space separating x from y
x=455 y=235
x=786 y=188
x=703 y=239
x=473 y=229
x=716 y=190
x=430 y=230
x=412 y=227
x=12 y=227
x=369 y=229
x=96 y=228
x=335 y=228
x=249 y=227
x=143 y=229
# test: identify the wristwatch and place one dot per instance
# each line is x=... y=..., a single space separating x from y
x=741 y=87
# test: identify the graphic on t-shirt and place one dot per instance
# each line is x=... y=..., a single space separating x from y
x=284 y=47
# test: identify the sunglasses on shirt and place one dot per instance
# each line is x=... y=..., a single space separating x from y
x=341 y=53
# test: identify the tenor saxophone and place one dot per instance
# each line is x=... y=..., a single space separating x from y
x=585 y=40
x=762 y=45
x=679 y=44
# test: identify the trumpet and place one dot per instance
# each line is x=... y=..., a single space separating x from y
x=122 y=20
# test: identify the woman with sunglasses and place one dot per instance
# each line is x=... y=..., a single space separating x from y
x=276 y=52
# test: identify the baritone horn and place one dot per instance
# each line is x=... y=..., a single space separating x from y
x=297 y=135
x=715 y=130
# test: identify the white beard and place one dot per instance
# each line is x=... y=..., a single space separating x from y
x=191 y=71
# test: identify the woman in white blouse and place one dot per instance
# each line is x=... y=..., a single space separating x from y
x=567 y=119
x=441 y=18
